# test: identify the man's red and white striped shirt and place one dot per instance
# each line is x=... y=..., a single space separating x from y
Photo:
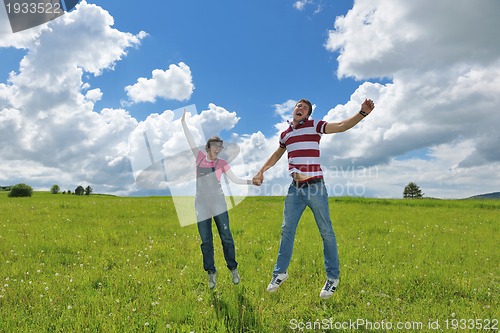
x=302 y=145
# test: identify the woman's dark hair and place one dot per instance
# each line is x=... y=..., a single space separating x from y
x=212 y=139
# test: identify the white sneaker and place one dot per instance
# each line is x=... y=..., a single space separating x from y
x=276 y=281
x=211 y=280
x=329 y=288
x=236 y=276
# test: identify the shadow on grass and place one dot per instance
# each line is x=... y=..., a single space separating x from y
x=239 y=317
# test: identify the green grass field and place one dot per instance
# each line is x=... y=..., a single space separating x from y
x=111 y=264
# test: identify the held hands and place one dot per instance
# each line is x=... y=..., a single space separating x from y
x=258 y=179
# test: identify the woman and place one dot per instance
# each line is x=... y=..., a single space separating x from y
x=211 y=203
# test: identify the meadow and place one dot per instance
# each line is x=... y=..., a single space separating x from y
x=113 y=264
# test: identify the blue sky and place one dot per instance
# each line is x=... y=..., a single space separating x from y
x=77 y=93
x=245 y=56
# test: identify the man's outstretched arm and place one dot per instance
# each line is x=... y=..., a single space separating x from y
x=349 y=123
x=273 y=159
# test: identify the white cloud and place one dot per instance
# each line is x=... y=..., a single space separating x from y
x=94 y=95
x=301 y=4
x=445 y=84
x=50 y=132
x=439 y=175
x=165 y=134
x=216 y=119
x=378 y=39
x=21 y=40
x=284 y=110
x=174 y=83
x=442 y=58
x=444 y=62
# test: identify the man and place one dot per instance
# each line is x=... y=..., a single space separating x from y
x=301 y=141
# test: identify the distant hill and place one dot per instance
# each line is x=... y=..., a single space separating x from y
x=494 y=195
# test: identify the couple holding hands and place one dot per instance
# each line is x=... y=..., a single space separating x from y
x=301 y=141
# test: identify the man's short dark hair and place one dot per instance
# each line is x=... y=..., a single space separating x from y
x=303 y=100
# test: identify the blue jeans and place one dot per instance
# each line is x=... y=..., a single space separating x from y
x=315 y=197
x=207 y=243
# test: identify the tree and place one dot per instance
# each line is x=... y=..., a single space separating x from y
x=55 y=189
x=21 y=190
x=412 y=190
x=88 y=190
x=79 y=190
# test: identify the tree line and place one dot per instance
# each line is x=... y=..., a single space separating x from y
x=24 y=190
x=411 y=191
x=78 y=191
